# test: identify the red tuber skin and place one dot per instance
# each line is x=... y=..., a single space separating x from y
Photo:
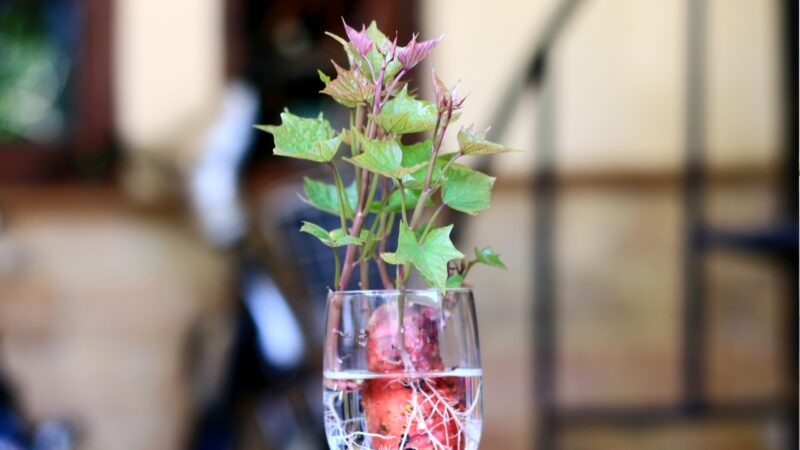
x=394 y=407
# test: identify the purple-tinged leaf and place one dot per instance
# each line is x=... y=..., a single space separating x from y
x=414 y=52
x=471 y=142
x=447 y=98
x=360 y=40
x=350 y=88
x=380 y=54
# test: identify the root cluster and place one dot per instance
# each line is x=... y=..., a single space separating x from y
x=413 y=414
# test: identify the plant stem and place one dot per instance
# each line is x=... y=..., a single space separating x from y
x=430 y=223
x=358 y=221
x=364 y=272
x=347 y=208
x=391 y=86
x=340 y=190
x=469 y=266
x=381 y=214
x=439 y=130
x=451 y=160
x=337 y=263
x=363 y=258
x=385 y=278
x=398 y=277
x=404 y=215
x=353 y=142
x=363 y=202
x=426 y=187
x=372 y=189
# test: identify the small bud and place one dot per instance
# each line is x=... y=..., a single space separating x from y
x=447 y=99
x=361 y=42
x=393 y=50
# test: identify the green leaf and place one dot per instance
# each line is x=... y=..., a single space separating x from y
x=455 y=280
x=467 y=190
x=350 y=88
x=390 y=258
x=324 y=196
x=417 y=181
x=323 y=77
x=333 y=238
x=382 y=157
x=429 y=257
x=420 y=154
x=374 y=56
x=395 y=205
x=404 y=114
x=304 y=138
x=489 y=257
x=471 y=142
x=412 y=198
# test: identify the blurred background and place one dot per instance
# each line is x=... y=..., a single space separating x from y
x=155 y=294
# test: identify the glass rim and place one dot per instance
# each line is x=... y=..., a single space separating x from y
x=377 y=292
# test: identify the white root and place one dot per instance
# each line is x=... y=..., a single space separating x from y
x=351 y=435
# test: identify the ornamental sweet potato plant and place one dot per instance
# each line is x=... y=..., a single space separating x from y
x=404 y=185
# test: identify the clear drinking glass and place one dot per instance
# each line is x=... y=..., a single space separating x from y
x=424 y=394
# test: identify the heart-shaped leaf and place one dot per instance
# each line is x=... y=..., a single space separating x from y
x=333 y=238
x=350 y=88
x=429 y=257
x=390 y=258
x=325 y=197
x=395 y=202
x=466 y=190
x=405 y=114
x=455 y=280
x=382 y=157
x=471 y=142
x=304 y=138
x=420 y=154
x=489 y=257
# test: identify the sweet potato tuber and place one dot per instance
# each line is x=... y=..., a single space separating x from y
x=414 y=412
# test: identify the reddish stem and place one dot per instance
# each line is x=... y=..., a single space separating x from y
x=360 y=215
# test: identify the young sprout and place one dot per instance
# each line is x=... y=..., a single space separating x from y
x=417 y=180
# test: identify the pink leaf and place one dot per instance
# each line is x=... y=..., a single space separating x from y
x=414 y=52
x=361 y=42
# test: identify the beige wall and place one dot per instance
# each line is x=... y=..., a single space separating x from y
x=744 y=120
x=619 y=76
x=620 y=73
x=168 y=73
